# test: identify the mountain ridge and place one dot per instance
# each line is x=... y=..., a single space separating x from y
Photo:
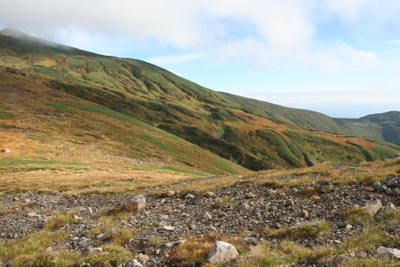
x=252 y=133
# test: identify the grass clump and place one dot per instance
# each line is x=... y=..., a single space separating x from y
x=61 y=219
x=285 y=254
x=195 y=250
x=20 y=249
x=305 y=231
x=6 y=115
x=356 y=215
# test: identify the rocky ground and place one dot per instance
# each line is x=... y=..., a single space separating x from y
x=244 y=210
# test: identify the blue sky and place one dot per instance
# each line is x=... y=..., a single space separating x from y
x=338 y=57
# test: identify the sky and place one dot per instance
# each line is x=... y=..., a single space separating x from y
x=338 y=57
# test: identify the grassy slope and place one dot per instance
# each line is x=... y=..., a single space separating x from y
x=254 y=134
x=54 y=131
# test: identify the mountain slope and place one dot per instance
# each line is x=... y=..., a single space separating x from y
x=43 y=124
x=388 y=124
x=254 y=134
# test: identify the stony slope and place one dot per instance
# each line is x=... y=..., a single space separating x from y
x=321 y=216
x=254 y=134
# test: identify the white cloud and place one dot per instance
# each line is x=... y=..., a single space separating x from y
x=394 y=42
x=343 y=57
x=171 y=59
x=282 y=24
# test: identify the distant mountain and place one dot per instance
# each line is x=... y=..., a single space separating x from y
x=389 y=123
x=254 y=134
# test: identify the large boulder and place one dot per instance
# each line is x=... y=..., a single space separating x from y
x=391 y=251
x=222 y=252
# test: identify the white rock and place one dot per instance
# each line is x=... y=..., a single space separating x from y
x=207 y=216
x=168 y=228
x=132 y=263
x=349 y=227
x=392 y=251
x=373 y=207
x=6 y=150
x=33 y=214
x=143 y=258
x=77 y=218
x=222 y=252
x=170 y=193
x=210 y=194
x=96 y=250
x=190 y=196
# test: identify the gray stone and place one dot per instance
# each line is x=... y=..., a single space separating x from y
x=190 y=196
x=33 y=214
x=373 y=207
x=132 y=263
x=325 y=187
x=210 y=194
x=391 y=251
x=222 y=252
x=143 y=258
x=207 y=216
x=96 y=250
x=250 y=195
x=362 y=254
x=136 y=203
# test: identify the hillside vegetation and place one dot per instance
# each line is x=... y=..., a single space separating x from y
x=153 y=101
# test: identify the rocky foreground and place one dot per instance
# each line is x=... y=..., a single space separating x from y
x=155 y=227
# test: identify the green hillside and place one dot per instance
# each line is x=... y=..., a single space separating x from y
x=251 y=133
x=390 y=123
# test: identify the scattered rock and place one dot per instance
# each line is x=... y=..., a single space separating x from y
x=33 y=214
x=190 y=196
x=349 y=227
x=251 y=240
x=362 y=254
x=210 y=194
x=325 y=187
x=136 y=203
x=6 y=150
x=95 y=250
x=170 y=193
x=289 y=203
x=245 y=207
x=373 y=207
x=250 y=195
x=392 y=251
x=207 y=216
x=77 y=218
x=305 y=213
x=315 y=197
x=222 y=252
x=132 y=263
x=143 y=258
